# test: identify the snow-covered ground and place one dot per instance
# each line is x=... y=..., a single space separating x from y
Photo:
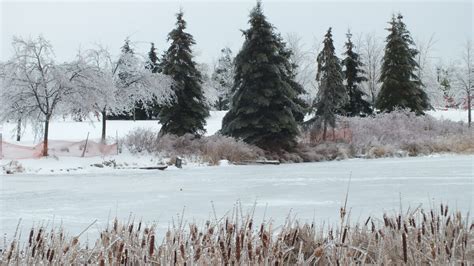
x=310 y=191
x=73 y=131
x=456 y=115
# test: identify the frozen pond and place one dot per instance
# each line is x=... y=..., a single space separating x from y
x=310 y=191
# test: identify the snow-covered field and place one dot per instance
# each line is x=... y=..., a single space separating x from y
x=310 y=191
x=67 y=130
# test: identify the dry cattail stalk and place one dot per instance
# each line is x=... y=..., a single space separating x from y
x=447 y=240
x=151 y=245
x=404 y=244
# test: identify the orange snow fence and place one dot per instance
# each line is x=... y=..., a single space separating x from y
x=57 y=148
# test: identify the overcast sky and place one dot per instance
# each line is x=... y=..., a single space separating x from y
x=70 y=25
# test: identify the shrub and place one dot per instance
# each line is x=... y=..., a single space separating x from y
x=208 y=149
x=391 y=134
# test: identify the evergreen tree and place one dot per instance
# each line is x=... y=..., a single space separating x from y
x=189 y=112
x=125 y=64
x=401 y=87
x=332 y=95
x=153 y=66
x=353 y=76
x=262 y=106
x=299 y=108
x=153 y=63
x=223 y=79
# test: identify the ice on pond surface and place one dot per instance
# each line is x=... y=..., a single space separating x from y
x=311 y=191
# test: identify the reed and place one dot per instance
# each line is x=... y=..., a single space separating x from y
x=393 y=239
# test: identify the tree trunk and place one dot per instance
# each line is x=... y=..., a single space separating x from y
x=18 y=130
x=45 y=138
x=104 y=125
x=469 y=109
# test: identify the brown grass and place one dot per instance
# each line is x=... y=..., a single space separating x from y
x=416 y=237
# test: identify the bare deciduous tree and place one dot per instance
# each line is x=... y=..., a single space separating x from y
x=465 y=77
x=113 y=86
x=370 y=49
x=305 y=59
x=34 y=86
x=427 y=71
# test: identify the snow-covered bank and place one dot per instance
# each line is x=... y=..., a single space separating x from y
x=310 y=190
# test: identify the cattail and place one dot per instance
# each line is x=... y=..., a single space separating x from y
x=115 y=225
x=373 y=226
x=151 y=245
x=419 y=236
x=197 y=254
x=367 y=221
x=442 y=209
x=10 y=252
x=423 y=228
x=33 y=251
x=404 y=243
x=448 y=251
x=446 y=211
x=30 y=239
x=130 y=229
x=405 y=227
x=51 y=256
x=448 y=220
x=399 y=222
x=344 y=235
x=237 y=245
x=249 y=250
x=38 y=236
x=183 y=253
x=385 y=220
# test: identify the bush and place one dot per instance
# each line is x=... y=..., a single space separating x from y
x=392 y=134
x=208 y=149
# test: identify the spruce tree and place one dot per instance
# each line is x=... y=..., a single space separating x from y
x=262 y=106
x=332 y=95
x=189 y=111
x=153 y=66
x=353 y=75
x=401 y=87
x=223 y=79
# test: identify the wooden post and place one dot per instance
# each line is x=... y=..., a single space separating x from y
x=179 y=162
x=85 y=146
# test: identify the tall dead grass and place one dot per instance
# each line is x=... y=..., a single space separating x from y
x=436 y=237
